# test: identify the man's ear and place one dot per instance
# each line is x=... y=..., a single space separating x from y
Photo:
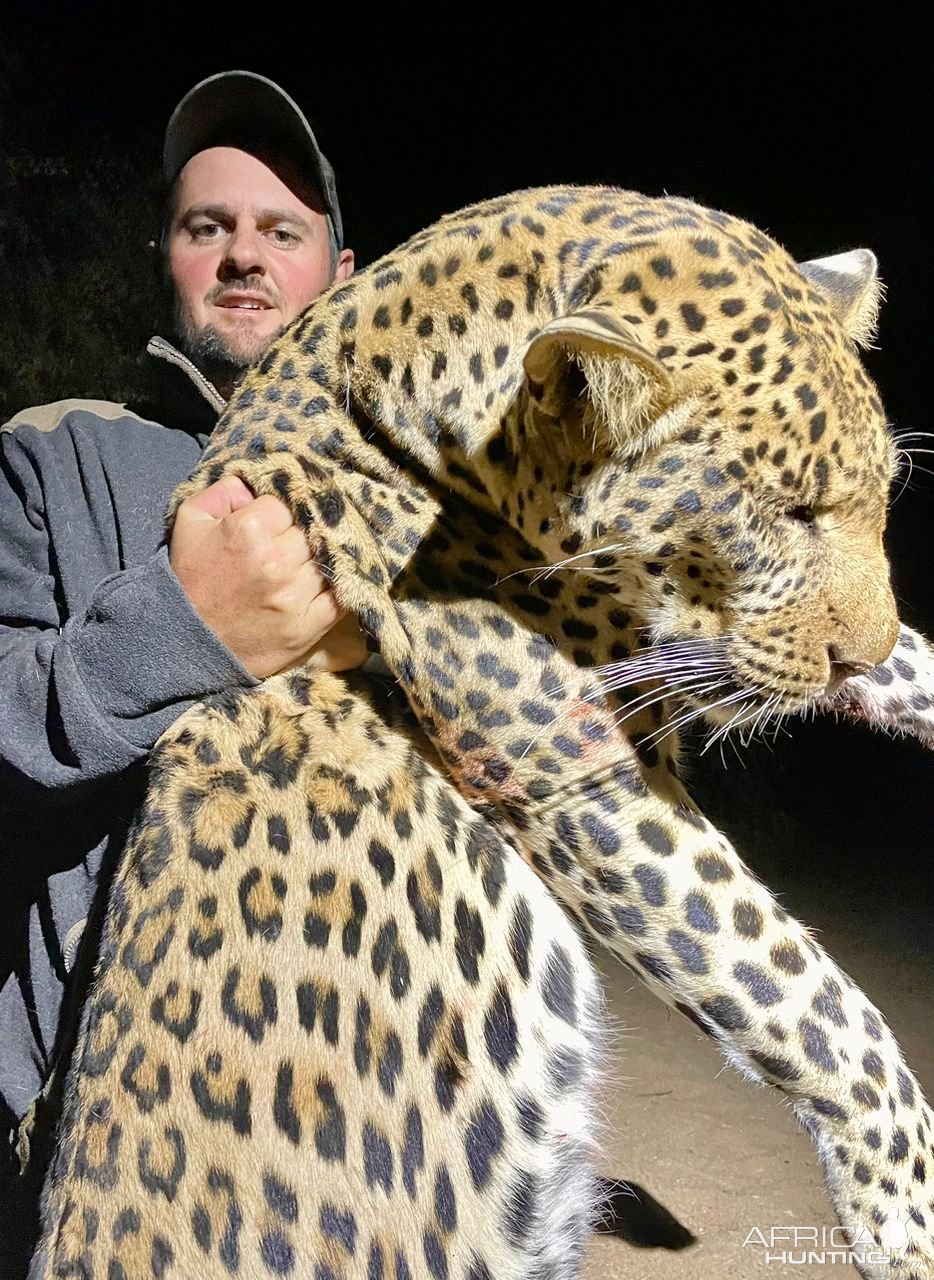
x=345 y=266
x=634 y=402
x=850 y=284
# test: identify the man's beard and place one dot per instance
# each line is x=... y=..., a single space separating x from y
x=218 y=356
x=211 y=352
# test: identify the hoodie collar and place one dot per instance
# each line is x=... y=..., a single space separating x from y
x=162 y=350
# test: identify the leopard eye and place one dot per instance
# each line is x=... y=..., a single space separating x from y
x=802 y=514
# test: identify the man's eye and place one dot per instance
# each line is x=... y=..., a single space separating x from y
x=206 y=230
x=281 y=236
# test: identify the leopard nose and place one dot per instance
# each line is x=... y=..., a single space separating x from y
x=843 y=667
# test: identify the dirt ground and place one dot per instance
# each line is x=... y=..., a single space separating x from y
x=726 y=1157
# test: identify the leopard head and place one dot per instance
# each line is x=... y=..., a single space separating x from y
x=701 y=431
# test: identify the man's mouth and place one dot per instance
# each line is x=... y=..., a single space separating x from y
x=242 y=302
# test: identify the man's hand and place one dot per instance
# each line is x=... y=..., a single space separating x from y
x=251 y=577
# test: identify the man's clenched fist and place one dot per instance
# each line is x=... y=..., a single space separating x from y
x=251 y=577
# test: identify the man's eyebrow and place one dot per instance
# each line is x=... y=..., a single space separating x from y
x=220 y=212
x=269 y=216
x=263 y=217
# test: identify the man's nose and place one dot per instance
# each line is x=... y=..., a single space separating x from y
x=243 y=256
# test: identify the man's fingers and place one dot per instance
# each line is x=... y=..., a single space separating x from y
x=255 y=518
x=341 y=649
x=266 y=515
x=321 y=609
x=292 y=548
x=223 y=498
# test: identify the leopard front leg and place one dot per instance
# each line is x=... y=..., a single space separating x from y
x=648 y=876
x=898 y=695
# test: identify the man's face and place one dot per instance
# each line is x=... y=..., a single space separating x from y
x=247 y=251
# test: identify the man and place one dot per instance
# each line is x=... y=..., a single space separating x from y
x=106 y=635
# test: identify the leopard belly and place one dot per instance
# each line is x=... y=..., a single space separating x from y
x=316 y=1051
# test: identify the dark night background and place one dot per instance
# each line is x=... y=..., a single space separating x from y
x=812 y=121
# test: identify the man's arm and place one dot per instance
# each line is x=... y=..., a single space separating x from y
x=86 y=697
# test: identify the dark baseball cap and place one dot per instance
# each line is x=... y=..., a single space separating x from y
x=243 y=104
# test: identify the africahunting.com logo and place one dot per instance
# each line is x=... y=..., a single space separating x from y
x=827 y=1246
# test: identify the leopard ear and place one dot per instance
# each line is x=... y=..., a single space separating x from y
x=850 y=283
x=590 y=333
x=634 y=404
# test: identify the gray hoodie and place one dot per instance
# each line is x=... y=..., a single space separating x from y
x=100 y=651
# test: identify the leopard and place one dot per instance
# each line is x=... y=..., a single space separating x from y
x=591 y=469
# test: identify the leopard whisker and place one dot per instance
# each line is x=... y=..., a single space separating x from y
x=736 y=752
x=720 y=735
x=907 y=455
x=739 y=717
x=664 y=656
x=676 y=648
x=691 y=714
x=902 y=454
x=899 y=436
x=756 y=720
x=546 y=571
x=701 y=685
x=685 y=682
x=646 y=699
x=761 y=721
x=670 y=675
x=753 y=720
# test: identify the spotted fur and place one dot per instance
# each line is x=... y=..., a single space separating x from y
x=898 y=696
x=587 y=465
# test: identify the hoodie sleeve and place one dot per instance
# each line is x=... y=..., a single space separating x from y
x=83 y=699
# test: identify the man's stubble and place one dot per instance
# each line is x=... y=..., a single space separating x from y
x=221 y=357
